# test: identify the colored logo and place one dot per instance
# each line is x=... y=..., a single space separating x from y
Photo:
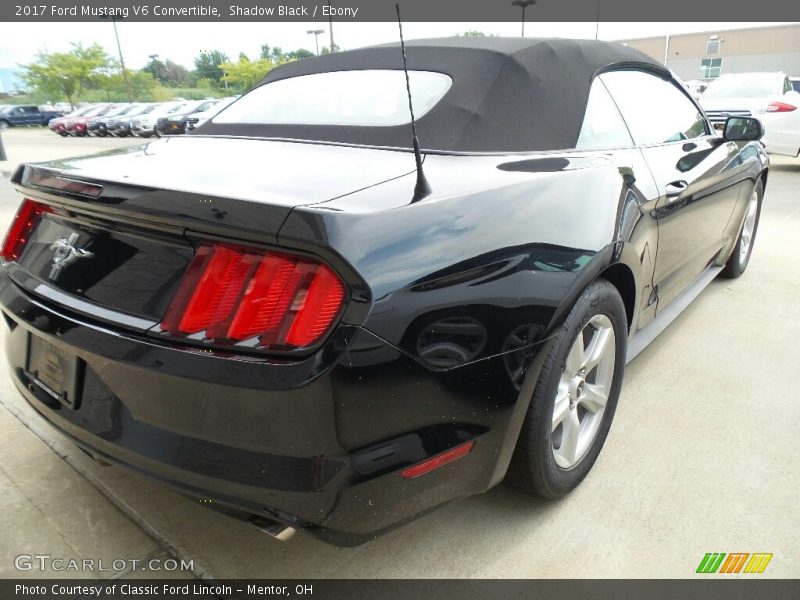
x=734 y=562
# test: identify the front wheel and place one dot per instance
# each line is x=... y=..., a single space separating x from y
x=4 y=125
x=740 y=257
x=575 y=397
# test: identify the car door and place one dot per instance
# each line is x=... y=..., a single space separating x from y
x=604 y=130
x=16 y=116
x=31 y=115
x=697 y=174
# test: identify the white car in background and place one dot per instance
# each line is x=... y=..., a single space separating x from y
x=199 y=118
x=696 y=87
x=145 y=125
x=766 y=96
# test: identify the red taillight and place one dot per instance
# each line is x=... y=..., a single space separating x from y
x=231 y=294
x=780 y=107
x=25 y=221
x=439 y=460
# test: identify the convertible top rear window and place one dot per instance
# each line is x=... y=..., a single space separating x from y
x=471 y=94
x=370 y=97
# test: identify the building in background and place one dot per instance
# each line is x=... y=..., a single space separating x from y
x=709 y=54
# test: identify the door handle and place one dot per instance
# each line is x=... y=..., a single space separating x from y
x=675 y=188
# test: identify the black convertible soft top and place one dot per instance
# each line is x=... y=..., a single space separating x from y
x=507 y=95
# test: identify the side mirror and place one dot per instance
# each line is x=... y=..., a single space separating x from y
x=743 y=129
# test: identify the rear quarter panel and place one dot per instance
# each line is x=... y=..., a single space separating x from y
x=503 y=243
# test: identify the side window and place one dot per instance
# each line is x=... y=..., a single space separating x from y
x=655 y=110
x=603 y=127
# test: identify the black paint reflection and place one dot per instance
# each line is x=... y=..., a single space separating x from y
x=122 y=271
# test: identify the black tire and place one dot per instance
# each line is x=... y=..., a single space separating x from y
x=533 y=467
x=740 y=258
x=4 y=125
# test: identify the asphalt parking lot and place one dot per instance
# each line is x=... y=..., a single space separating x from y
x=702 y=457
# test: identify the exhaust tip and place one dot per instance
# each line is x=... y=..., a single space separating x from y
x=274 y=529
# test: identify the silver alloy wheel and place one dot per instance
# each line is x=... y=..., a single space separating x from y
x=748 y=227
x=583 y=391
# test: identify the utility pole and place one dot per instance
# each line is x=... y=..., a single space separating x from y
x=523 y=4
x=122 y=60
x=597 y=22
x=330 y=26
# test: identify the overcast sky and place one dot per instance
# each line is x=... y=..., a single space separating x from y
x=181 y=42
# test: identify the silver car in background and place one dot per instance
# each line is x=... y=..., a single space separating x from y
x=144 y=125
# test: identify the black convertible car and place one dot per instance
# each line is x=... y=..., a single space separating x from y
x=282 y=315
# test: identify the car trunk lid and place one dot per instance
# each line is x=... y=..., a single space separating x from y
x=129 y=219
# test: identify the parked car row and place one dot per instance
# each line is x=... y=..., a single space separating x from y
x=142 y=119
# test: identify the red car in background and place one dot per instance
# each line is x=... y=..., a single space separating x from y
x=76 y=126
x=58 y=125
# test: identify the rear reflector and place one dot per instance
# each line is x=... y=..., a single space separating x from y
x=439 y=460
x=25 y=221
x=780 y=107
x=231 y=294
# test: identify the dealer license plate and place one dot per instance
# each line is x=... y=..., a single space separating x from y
x=54 y=371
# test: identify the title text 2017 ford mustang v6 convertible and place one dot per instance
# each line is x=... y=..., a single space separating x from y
x=282 y=314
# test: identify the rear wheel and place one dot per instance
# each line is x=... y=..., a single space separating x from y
x=575 y=398
x=740 y=257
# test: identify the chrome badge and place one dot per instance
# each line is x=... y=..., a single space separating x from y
x=66 y=254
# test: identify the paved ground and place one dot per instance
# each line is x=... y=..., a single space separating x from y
x=702 y=458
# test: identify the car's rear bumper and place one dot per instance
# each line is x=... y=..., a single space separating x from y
x=318 y=444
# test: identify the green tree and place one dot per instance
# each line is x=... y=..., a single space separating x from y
x=278 y=55
x=299 y=53
x=141 y=83
x=472 y=33
x=168 y=72
x=65 y=75
x=244 y=74
x=207 y=65
x=205 y=83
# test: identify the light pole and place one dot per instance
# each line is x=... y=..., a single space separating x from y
x=153 y=58
x=330 y=25
x=121 y=60
x=597 y=22
x=316 y=33
x=523 y=4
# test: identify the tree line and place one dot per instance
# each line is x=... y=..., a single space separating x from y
x=90 y=73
